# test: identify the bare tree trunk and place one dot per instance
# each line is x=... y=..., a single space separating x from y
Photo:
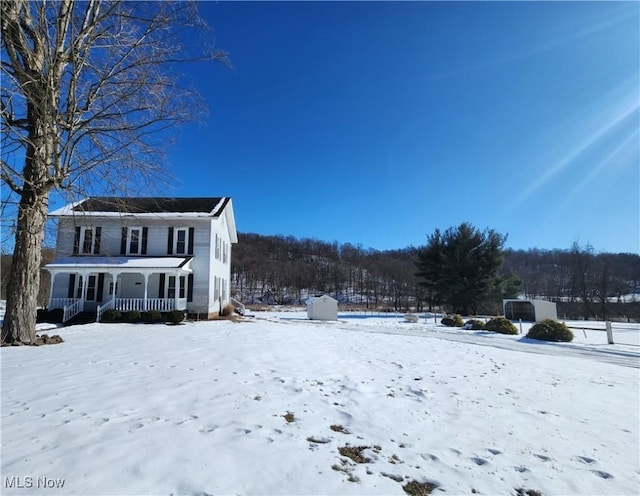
x=24 y=280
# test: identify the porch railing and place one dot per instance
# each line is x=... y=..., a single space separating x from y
x=238 y=306
x=72 y=309
x=103 y=308
x=159 y=304
x=61 y=302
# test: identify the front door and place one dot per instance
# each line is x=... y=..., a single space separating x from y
x=95 y=291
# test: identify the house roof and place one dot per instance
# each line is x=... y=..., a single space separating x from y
x=109 y=205
x=122 y=264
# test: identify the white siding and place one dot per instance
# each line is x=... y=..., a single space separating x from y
x=206 y=266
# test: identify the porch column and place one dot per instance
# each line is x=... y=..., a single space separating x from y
x=177 y=292
x=85 y=284
x=114 y=281
x=53 y=277
x=146 y=284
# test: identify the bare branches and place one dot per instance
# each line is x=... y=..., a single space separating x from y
x=99 y=78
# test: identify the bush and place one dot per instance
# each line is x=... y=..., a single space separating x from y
x=452 y=321
x=175 y=316
x=111 y=316
x=474 y=325
x=501 y=325
x=151 y=316
x=42 y=314
x=227 y=310
x=132 y=316
x=550 y=330
x=55 y=316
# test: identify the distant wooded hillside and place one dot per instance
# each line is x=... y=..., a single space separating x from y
x=287 y=270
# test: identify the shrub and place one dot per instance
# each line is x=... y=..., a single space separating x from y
x=175 y=316
x=111 y=316
x=452 y=321
x=132 y=316
x=42 y=314
x=227 y=310
x=501 y=325
x=151 y=316
x=55 y=316
x=550 y=330
x=474 y=325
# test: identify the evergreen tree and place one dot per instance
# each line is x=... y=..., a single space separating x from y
x=460 y=266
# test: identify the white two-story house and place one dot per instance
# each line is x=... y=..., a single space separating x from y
x=143 y=254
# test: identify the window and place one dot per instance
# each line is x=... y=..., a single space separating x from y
x=87 y=243
x=183 y=286
x=135 y=234
x=133 y=241
x=180 y=241
x=171 y=287
x=87 y=240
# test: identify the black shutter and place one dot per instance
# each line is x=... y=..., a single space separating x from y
x=170 y=242
x=100 y=291
x=72 y=285
x=96 y=245
x=161 y=286
x=123 y=241
x=76 y=243
x=192 y=232
x=190 y=287
x=145 y=232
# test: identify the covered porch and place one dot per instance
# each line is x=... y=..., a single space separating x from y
x=97 y=284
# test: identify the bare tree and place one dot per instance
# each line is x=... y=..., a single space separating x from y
x=90 y=93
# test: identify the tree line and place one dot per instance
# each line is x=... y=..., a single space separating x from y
x=285 y=270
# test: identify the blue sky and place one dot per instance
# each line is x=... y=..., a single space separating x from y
x=375 y=123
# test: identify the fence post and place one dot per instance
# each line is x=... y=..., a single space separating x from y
x=520 y=325
x=609 y=333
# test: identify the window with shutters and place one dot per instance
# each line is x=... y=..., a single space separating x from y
x=135 y=238
x=171 y=287
x=87 y=241
x=180 y=241
x=134 y=241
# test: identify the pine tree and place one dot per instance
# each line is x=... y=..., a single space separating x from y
x=460 y=267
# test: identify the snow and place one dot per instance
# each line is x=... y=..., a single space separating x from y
x=200 y=409
x=118 y=262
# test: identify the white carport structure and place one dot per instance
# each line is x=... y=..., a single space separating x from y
x=130 y=283
x=530 y=310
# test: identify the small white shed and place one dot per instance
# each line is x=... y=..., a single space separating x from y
x=530 y=310
x=322 y=308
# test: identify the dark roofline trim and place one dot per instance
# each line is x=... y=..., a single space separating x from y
x=151 y=205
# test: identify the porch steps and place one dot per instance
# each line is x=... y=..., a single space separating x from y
x=82 y=318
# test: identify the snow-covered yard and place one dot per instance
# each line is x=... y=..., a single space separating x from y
x=264 y=406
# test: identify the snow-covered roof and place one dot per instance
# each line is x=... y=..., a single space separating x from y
x=128 y=264
x=321 y=297
x=144 y=206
